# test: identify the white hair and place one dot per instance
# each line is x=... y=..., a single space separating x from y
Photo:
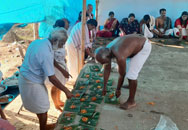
x=58 y=33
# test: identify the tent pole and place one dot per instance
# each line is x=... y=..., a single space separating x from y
x=96 y=12
x=82 y=55
x=35 y=31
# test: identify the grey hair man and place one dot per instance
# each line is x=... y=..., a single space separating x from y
x=90 y=10
x=37 y=65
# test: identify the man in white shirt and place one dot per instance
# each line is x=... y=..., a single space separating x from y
x=37 y=65
x=147 y=26
x=73 y=46
x=89 y=11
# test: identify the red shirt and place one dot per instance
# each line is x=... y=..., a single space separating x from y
x=178 y=22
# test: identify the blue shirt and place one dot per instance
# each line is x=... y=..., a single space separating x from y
x=38 y=62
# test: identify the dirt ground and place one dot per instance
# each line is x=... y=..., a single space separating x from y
x=163 y=81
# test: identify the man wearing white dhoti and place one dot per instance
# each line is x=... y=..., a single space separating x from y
x=147 y=26
x=132 y=46
x=163 y=25
x=37 y=65
x=73 y=46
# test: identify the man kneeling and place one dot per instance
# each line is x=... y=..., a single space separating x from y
x=134 y=46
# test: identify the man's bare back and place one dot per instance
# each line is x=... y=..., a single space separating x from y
x=126 y=46
x=134 y=46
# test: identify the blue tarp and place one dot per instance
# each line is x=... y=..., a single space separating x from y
x=21 y=11
x=4 y=28
x=32 y=11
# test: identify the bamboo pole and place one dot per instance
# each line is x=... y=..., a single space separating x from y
x=97 y=10
x=82 y=55
x=35 y=31
x=97 y=14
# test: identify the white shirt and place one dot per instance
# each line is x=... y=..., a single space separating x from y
x=38 y=62
x=76 y=36
x=152 y=22
x=59 y=56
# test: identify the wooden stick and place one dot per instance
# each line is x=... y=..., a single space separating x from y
x=81 y=60
x=160 y=44
x=97 y=9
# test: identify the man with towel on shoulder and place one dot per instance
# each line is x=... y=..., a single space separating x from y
x=37 y=65
x=133 y=46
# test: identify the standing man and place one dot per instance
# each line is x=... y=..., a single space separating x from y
x=163 y=25
x=89 y=11
x=73 y=46
x=92 y=33
x=37 y=65
x=134 y=46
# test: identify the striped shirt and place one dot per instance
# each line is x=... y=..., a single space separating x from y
x=76 y=36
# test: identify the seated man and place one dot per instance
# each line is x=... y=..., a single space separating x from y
x=129 y=25
x=147 y=26
x=181 y=26
x=163 y=25
x=37 y=65
x=110 y=26
x=136 y=47
x=73 y=46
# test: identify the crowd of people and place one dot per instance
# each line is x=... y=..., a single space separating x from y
x=149 y=26
x=57 y=56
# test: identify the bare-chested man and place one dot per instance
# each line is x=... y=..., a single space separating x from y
x=134 y=46
x=163 y=24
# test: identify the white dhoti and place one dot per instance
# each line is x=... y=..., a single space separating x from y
x=73 y=60
x=167 y=32
x=177 y=31
x=137 y=62
x=147 y=33
x=34 y=96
